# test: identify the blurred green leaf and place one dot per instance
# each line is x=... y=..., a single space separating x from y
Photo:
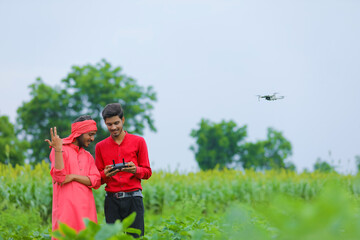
x=128 y=220
x=67 y=231
x=109 y=230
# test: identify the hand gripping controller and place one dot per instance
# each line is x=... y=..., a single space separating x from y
x=118 y=165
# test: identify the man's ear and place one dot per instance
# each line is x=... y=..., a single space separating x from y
x=123 y=120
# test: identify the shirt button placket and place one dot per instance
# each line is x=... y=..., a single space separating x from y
x=79 y=163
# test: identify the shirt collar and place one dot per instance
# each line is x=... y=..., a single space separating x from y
x=113 y=141
x=76 y=148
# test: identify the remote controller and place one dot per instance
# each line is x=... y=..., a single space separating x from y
x=118 y=165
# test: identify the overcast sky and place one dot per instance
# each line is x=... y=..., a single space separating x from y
x=205 y=59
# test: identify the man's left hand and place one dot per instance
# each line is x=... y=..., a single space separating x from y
x=131 y=168
x=68 y=178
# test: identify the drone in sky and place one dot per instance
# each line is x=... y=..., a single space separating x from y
x=270 y=97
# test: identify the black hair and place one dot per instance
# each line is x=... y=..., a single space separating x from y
x=111 y=110
x=82 y=118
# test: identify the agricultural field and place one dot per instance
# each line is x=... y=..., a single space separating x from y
x=226 y=204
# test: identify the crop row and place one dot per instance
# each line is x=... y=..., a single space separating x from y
x=28 y=187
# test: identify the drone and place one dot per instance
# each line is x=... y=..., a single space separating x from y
x=270 y=97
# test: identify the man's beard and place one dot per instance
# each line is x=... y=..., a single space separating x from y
x=81 y=142
x=120 y=131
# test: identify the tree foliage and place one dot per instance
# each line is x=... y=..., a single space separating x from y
x=253 y=155
x=277 y=149
x=224 y=144
x=47 y=108
x=323 y=166
x=12 y=150
x=217 y=143
x=85 y=90
x=267 y=154
x=357 y=161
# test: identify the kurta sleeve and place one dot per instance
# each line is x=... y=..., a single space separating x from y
x=143 y=170
x=58 y=175
x=94 y=174
x=100 y=164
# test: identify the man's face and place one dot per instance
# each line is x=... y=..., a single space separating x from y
x=115 y=125
x=86 y=138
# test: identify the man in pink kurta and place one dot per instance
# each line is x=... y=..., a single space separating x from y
x=73 y=199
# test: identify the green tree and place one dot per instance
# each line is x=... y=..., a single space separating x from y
x=323 y=166
x=85 y=90
x=217 y=143
x=253 y=155
x=12 y=150
x=47 y=108
x=290 y=166
x=267 y=154
x=357 y=161
x=277 y=149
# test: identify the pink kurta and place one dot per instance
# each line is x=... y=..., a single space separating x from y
x=74 y=201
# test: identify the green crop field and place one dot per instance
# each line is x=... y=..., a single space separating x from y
x=215 y=204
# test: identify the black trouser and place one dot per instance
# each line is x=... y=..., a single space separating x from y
x=119 y=208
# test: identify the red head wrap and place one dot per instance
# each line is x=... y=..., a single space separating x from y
x=79 y=128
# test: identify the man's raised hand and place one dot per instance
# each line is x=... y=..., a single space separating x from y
x=56 y=141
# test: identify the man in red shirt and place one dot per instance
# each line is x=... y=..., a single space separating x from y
x=74 y=175
x=123 y=187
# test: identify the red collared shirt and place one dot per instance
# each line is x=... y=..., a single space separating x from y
x=132 y=149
